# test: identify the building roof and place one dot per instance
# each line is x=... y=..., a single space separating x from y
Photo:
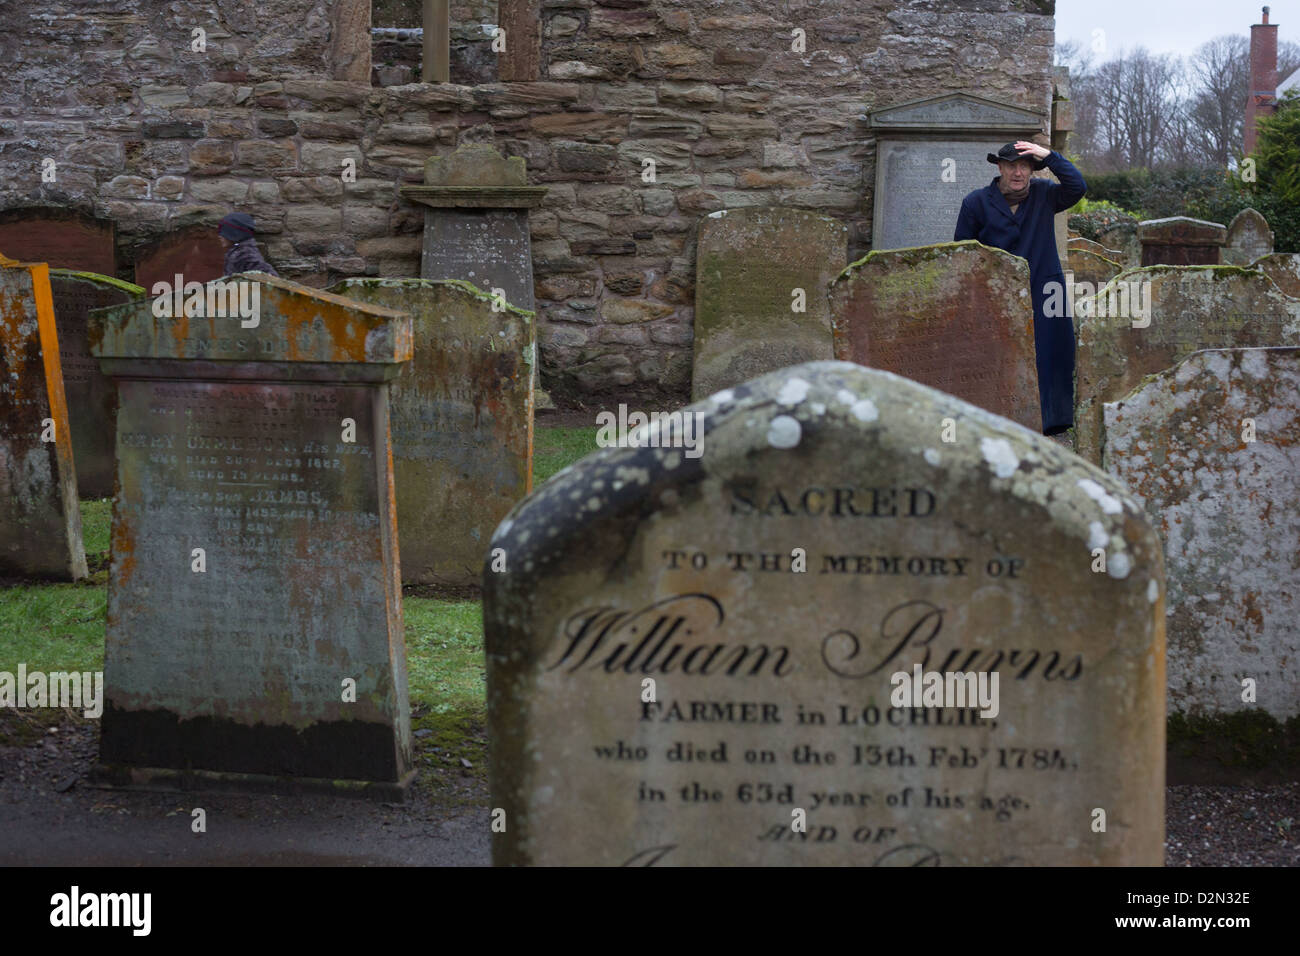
x=1291 y=82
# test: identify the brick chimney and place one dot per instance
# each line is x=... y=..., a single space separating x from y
x=1261 y=99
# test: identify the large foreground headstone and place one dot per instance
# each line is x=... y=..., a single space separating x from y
x=254 y=607
x=667 y=684
x=929 y=154
x=1146 y=320
x=40 y=521
x=957 y=317
x=760 y=292
x=1212 y=446
x=462 y=422
x=1249 y=238
x=1284 y=269
x=476 y=226
x=92 y=399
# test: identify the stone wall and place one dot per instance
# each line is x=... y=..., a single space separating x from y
x=154 y=136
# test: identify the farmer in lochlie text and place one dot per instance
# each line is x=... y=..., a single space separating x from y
x=1015 y=213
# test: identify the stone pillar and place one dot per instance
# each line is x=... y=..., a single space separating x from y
x=476 y=227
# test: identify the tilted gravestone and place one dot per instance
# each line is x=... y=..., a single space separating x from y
x=1093 y=269
x=195 y=253
x=1087 y=245
x=691 y=660
x=1284 y=269
x=92 y=399
x=956 y=316
x=1122 y=238
x=254 y=606
x=476 y=226
x=929 y=154
x=1249 y=238
x=1180 y=241
x=1212 y=446
x=760 y=292
x=462 y=422
x=40 y=521
x=1146 y=320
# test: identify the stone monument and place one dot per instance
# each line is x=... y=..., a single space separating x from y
x=1249 y=238
x=1180 y=241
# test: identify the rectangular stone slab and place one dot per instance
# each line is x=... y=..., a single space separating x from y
x=748 y=264
x=771 y=686
x=1192 y=308
x=462 y=422
x=956 y=316
x=92 y=399
x=1226 y=509
x=281 y=472
x=490 y=248
x=40 y=521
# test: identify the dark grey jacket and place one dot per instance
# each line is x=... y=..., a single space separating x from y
x=245 y=257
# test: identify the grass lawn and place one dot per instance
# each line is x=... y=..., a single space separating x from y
x=53 y=627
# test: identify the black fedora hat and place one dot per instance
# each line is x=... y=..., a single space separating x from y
x=1010 y=154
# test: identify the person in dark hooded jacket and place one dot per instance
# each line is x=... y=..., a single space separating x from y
x=242 y=255
x=1015 y=213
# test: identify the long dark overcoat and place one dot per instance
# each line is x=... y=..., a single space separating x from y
x=1029 y=233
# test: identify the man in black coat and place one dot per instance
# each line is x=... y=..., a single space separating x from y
x=1015 y=213
x=242 y=255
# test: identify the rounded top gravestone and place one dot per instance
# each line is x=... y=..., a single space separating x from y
x=692 y=651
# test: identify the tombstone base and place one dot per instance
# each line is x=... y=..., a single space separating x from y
x=105 y=776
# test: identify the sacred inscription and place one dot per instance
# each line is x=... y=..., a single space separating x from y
x=847 y=650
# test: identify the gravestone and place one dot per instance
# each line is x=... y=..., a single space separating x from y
x=92 y=399
x=1180 y=241
x=1212 y=446
x=194 y=252
x=1094 y=269
x=956 y=316
x=1249 y=238
x=1187 y=309
x=462 y=422
x=666 y=686
x=40 y=521
x=476 y=226
x=760 y=292
x=61 y=238
x=1122 y=238
x=929 y=154
x=1087 y=245
x=1284 y=269
x=254 y=609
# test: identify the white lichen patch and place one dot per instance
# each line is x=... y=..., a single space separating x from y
x=865 y=410
x=623 y=474
x=818 y=408
x=1097 y=536
x=1153 y=591
x=1254 y=363
x=794 y=391
x=784 y=432
x=1119 y=565
x=1000 y=456
x=845 y=397
x=932 y=456
x=722 y=397
x=593 y=504
x=672 y=459
x=1109 y=504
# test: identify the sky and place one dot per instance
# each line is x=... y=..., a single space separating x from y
x=1167 y=26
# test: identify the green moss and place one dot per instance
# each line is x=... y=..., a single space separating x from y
x=461 y=284
x=1249 y=739
x=130 y=288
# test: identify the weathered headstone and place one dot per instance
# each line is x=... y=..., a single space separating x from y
x=1249 y=238
x=1212 y=446
x=254 y=607
x=1146 y=320
x=194 y=252
x=61 y=238
x=1091 y=268
x=929 y=154
x=1180 y=241
x=462 y=422
x=955 y=316
x=1087 y=245
x=1122 y=238
x=476 y=228
x=40 y=520
x=92 y=399
x=1284 y=269
x=760 y=292
x=668 y=685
